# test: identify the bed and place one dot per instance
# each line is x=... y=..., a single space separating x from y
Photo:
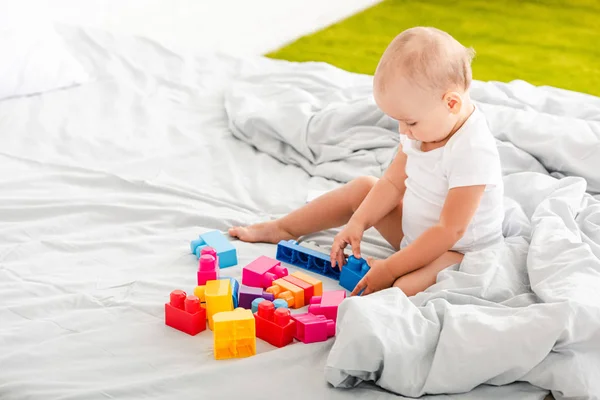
x=105 y=184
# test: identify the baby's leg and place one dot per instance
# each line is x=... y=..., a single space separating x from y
x=328 y=211
x=419 y=280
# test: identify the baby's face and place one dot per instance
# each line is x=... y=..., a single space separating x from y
x=422 y=115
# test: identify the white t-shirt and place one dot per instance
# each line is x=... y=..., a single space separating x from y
x=469 y=158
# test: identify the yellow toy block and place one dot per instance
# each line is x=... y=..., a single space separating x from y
x=234 y=334
x=218 y=298
x=291 y=293
x=317 y=284
x=199 y=293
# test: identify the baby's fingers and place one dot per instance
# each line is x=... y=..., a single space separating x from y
x=355 y=244
x=362 y=284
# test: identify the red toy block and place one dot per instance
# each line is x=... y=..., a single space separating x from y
x=313 y=328
x=327 y=304
x=262 y=272
x=184 y=313
x=274 y=326
x=208 y=266
x=309 y=289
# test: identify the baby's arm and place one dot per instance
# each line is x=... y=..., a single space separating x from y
x=381 y=199
x=385 y=195
x=459 y=208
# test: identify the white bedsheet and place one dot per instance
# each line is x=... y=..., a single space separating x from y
x=102 y=188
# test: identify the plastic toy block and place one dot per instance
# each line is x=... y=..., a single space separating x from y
x=307 y=287
x=327 y=304
x=227 y=254
x=317 y=284
x=234 y=334
x=255 y=304
x=235 y=289
x=199 y=293
x=280 y=303
x=262 y=272
x=208 y=269
x=291 y=293
x=354 y=270
x=218 y=298
x=313 y=328
x=289 y=251
x=274 y=325
x=184 y=313
x=248 y=294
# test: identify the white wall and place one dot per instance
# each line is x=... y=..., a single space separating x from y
x=236 y=26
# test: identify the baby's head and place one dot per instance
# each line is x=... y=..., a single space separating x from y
x=422 y=81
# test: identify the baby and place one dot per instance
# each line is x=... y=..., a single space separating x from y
x=441 y=196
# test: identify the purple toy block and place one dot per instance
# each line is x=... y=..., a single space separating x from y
x=262 y=272
x=248 y=294
x=313 y=328
x=208 y=269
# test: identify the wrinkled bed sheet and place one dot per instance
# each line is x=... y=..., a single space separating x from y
x=526 y=311
x=102 y=188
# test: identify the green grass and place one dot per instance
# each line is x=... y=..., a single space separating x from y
x=549 y=42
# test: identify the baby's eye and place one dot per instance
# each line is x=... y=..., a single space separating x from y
x=411 y=124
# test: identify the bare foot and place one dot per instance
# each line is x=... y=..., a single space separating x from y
x=267 y=232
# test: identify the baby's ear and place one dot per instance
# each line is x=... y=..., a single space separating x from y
x=453 y=101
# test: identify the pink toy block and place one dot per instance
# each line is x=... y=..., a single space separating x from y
x=313 y=328
x=262 y=272
x=327 y=304
x=208 y=266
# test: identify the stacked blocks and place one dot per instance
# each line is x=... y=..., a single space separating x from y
x=313 y=328
x=234 y=334
x=317 y=284
x=306 y=287
x=227 y=255
x=353 y=272
x=218 y=298
x=292 y=294
x=274 y=325
x=289 y=251
x=262 y=272
x=184 y=313
x=327 y=304
x=208 y=270
x=296 y=289
x=248 y=294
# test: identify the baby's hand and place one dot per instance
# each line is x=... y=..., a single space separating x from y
x=379 y=277
x=351 y=235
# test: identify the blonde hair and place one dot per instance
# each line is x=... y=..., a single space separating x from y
x=428 y=57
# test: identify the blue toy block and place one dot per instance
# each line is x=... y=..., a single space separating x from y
x=225 y=251
x=353 y=272
x=235 y=290
x=278 y=303
x=255 y=304
x=289 y=251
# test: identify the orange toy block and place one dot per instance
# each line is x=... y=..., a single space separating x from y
x=289 y=292
x=307 y=287
x=317 y=284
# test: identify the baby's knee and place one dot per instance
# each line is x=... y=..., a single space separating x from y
x=360 y=187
